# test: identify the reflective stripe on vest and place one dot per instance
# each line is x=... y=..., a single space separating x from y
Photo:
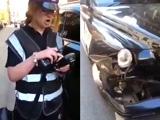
x=37 y=77
x=30 y=97
x=16 y=44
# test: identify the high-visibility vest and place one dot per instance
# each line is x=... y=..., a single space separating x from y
x=50 y=98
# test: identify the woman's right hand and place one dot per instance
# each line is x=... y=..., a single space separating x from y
x=50 y=53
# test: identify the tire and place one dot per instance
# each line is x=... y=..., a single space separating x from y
x=15 y=26
x=1 y=27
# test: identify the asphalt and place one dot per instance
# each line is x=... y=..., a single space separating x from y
x=6 y=87
x=93 y=106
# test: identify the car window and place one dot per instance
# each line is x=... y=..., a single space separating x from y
x=117 y=2
x=70 y=25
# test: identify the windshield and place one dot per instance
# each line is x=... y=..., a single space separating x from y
x=117 y=2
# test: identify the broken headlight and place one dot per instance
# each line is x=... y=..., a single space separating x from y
x=124 y=58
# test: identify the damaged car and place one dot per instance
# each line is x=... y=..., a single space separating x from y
x=122 y=40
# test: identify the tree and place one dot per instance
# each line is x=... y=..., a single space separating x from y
x=4 y=17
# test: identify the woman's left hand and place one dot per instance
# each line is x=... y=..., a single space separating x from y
x=63 y=69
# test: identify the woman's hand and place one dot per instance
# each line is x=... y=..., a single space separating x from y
x=50 y=53
x=64 y=68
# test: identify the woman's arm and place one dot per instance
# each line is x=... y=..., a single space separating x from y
x=20 y=70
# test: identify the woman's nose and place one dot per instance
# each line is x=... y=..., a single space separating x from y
x=49 y=15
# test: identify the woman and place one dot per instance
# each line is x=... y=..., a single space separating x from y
x=27 y=73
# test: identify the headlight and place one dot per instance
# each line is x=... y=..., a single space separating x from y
x=124 y=58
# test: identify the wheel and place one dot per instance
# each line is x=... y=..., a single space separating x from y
x=15 y=25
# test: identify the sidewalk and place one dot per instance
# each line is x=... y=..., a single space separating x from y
x=6 y=87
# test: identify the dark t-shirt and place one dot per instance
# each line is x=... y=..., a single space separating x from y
x=39 y=39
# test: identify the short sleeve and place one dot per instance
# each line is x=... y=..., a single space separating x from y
x=12 y=58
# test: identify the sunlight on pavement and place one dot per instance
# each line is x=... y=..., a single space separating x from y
x=6 y=87
x=118 y=117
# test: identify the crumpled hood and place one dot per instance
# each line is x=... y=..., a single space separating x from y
x=139 y=22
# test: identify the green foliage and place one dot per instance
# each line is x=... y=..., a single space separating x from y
x=4 y=16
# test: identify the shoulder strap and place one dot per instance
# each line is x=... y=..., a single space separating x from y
x=27 y=42
x=11 y=46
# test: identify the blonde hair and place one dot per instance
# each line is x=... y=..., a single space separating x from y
x=32 y=8
x=56 y=21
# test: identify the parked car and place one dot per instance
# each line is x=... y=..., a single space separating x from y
x=5 y=24
x=122 y=40
x=22 y=23
x=15 y=24
x=69 y=29
x=1 y=26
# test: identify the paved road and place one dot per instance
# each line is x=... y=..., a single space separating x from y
x=6 y=87
x=93 y=106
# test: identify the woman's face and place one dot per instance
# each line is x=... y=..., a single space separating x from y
x=43 y=17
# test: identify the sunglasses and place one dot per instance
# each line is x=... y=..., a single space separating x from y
x=46 y=11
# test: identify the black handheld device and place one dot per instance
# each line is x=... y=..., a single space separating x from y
x=67 y=59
